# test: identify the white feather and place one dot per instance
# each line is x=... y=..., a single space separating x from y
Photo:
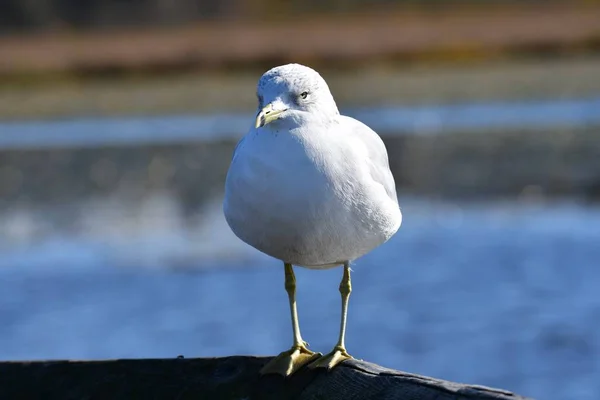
x=312 y=188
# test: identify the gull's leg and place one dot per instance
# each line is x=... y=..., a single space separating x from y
x=292 y=360
x=339 y=353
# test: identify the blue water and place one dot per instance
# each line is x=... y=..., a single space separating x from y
x=505 y=295
x=427 y=119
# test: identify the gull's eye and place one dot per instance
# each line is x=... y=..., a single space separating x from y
x=304 y=95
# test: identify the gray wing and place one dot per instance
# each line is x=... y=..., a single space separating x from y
x=378 y=157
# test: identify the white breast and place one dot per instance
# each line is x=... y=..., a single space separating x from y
x=315 y=221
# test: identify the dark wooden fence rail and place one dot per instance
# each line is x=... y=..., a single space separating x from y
x=229 y=378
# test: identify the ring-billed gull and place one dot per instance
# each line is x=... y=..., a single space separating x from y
x=311 y=188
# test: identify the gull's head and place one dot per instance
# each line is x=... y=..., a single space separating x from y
x=293 y=92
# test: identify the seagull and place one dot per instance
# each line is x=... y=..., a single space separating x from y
x=311 y=188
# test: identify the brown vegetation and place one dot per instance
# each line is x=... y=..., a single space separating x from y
x=447 y=32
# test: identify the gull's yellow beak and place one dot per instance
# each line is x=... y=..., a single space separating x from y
x=268 y=114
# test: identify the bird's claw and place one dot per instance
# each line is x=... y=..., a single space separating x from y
x=332 y=359
x=288 y=362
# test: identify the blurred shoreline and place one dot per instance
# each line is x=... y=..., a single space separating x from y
x=508 y=161
x=409 y=34
x=371 y=86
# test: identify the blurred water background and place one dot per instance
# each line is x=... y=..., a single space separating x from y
x=117 y=124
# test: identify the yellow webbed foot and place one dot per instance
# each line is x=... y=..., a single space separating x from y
x=332 y=359
x=290 y=361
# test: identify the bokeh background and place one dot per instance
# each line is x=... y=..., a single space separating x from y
x=117 y=123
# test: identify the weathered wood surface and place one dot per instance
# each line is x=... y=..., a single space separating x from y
x=223 y=378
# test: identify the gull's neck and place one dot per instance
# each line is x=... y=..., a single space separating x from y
x=298 y=119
